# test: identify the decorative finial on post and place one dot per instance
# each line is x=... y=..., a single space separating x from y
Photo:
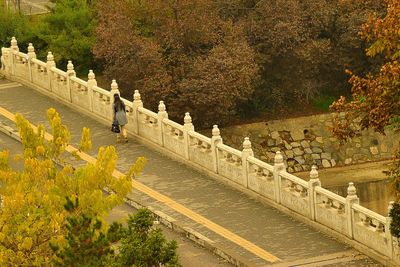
x=14 y=44
x=161 y=106
x=50 y=60
x=91 y=75
x=351 y=190
x=279 y=165
x=31 y=51
x=70 y=68
x=187 y=119
x=50 y=56
x=314 y=173
x=215 y=131
x=136 y=96
x=114 y=85
x=246 y=144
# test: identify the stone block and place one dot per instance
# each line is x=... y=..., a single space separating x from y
x=316 y=150
x=326 y=156
x=298 y=168
x=298 y=152
x=315 y=144
x=287 y=145
x=275 y=134
x=308 y=150
x=295 y=144
x=270 y=142
x=319 y=139
x=305 y=144
x=333 y=162
x=290 y=169
x=289 y=154
x=300 y=160
x=290 y=162
x=316 y=156
x=326 y=163
x=297 y=135
x=278 y=141
x=374 y=150
x=348 y=161
x=275 y=149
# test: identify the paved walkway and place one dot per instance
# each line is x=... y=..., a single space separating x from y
x=264 y=226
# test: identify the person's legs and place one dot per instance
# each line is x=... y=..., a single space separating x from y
x=124 y=133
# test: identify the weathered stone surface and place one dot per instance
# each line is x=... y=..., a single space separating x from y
x=326 y=155
x=278 y=141
x=315 y=156
x=275 y=134
x=315 y=144
x=319 y=139
x=295 y=144
x=308 y=150
x=287 y=145
x=316 y=150
x=291 y=162
x=333 y=162
x=305 y=143
x=300 y=160
x=359 y=157
x=297 y=135
x=271 y=142
x=298 y=168
x=374 y=150
x=290 y=169
x=289 y=153
x=326 y=163
x=298 y=152
x=348 y=161
x=275 y=149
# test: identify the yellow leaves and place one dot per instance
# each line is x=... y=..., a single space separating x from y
x=26 y=244
x=40 y=150
x=4 y=160
x=86 y=142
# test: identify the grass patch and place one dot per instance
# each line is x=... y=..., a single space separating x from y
x=323 y=102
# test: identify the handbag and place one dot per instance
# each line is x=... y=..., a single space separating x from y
x=115 y=127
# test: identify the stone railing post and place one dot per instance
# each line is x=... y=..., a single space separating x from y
x=279 y=166
x=136 y=103
x=114 y=90
x=162 y=114
x=14 y=48
x=31 y=54
x=49 y=64
x=312 y=183
x=246 y=152
x=70 y=73
x=351 y=199
x=187 y=126
x=90 y=84
x=215 y=140
x=389 y=236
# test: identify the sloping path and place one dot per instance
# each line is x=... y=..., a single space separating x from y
x=264 y=226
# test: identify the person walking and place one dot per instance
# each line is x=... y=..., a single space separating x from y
x=120 y=117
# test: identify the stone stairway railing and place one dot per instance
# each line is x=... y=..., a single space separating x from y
x=343 y=217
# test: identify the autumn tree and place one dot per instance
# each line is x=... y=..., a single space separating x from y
x=375 y=101
x=32 y=213
x=181 y=52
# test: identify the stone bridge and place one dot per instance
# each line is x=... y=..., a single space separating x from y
x=223 y=210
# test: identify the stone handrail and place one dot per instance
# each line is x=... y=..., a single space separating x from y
x=367 y=230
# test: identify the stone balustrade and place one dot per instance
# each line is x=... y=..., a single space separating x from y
x=365 y=229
